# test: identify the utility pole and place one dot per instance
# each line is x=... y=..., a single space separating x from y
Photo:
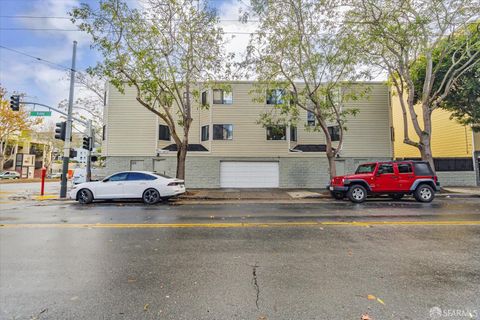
x=89 y=151
x=68 y=132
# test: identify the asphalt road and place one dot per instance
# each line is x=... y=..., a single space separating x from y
x=332 y=260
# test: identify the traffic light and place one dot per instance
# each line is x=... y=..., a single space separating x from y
x=60 y=129
x=87 y=143
x=15 y=102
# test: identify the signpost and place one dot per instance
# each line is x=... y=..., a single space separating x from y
x=40 y=113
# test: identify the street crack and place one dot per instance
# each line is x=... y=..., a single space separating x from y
x=255 y=284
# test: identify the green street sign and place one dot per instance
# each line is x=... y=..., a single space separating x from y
x=40 y=113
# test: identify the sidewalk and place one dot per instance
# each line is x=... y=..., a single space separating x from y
x=254 y=194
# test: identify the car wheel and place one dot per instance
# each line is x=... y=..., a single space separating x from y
x=357 y=193
x=396 y=196
x=337 y=195
x=85 y=196
x=151 y=196
x=424 y=193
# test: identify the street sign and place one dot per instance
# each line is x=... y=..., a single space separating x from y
x=40 y=113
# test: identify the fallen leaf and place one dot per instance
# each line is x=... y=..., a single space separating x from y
x=145 y=307
x=366 y=317
x=74 y=298
x=380 y=300
x=131 y=280
x=371 y=297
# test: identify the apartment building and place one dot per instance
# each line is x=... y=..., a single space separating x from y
x=228 y=148
x=455 y=147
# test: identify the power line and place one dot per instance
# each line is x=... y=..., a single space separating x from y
x=76 y=30
x=68 y=18
x=36 y=58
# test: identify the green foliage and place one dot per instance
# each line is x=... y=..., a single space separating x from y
x=167 y=52
x=463 y=100
x=302 y=51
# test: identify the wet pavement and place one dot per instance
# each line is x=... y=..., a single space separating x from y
x=327 y=260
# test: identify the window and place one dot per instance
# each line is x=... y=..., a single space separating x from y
x=293 y=133
x=204 y=98
x=122 y=176
x=104 y=133
x=222 y=96
x=404 y=168
x=205 y=133
x=366 y=168
x=385 y=168
x=275 y=96
x=137 y=176
x=222 y=132
x=163 y=132
x=310 y=118
x=334 y=132
x=276 y=133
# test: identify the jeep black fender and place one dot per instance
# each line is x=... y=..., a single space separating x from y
x=418 y=182
x=360 y=182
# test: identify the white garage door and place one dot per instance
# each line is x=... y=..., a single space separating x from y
x=248 y=174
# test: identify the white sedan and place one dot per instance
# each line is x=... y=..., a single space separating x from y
x=149 y=186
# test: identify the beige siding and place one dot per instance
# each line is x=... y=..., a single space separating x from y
x=131 y=129
x=368 y=133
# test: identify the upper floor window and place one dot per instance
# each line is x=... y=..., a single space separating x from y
x=276 y=133
x=293 y=133
x=334 y=132
x=205 y=132
x=275 y=96
x=163 y=132
x=222 y=132
x=310 y=118
x=204 y=98
x=221 y=96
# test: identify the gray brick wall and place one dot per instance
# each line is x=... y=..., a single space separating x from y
x=457 y=178
x=204 y=172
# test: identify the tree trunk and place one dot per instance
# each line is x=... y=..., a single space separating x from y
x=2 y=162
x=181 y=157
x=426 y=150
x=331 y=164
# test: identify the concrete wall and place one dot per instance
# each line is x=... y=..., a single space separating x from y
x=204 y=172
x=457 y=178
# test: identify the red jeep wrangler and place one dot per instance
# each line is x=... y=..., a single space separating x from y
x=395 y=178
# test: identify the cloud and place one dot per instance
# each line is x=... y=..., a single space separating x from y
x=229 y=13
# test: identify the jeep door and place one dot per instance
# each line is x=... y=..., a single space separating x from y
x=386 y=179
x=405 y=175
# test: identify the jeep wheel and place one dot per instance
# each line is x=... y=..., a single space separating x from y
x=357 y=193
x=337 y=195
x=396 y=196
x=424 y=193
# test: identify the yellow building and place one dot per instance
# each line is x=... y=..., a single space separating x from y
x=454 y=146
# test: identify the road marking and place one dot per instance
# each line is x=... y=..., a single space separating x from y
x=237 y=224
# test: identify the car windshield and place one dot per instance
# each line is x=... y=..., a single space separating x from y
x=161 y=175
x=366 y=168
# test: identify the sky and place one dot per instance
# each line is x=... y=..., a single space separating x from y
x=46 y=81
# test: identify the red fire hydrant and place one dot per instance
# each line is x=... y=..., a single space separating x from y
x=44 y=173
